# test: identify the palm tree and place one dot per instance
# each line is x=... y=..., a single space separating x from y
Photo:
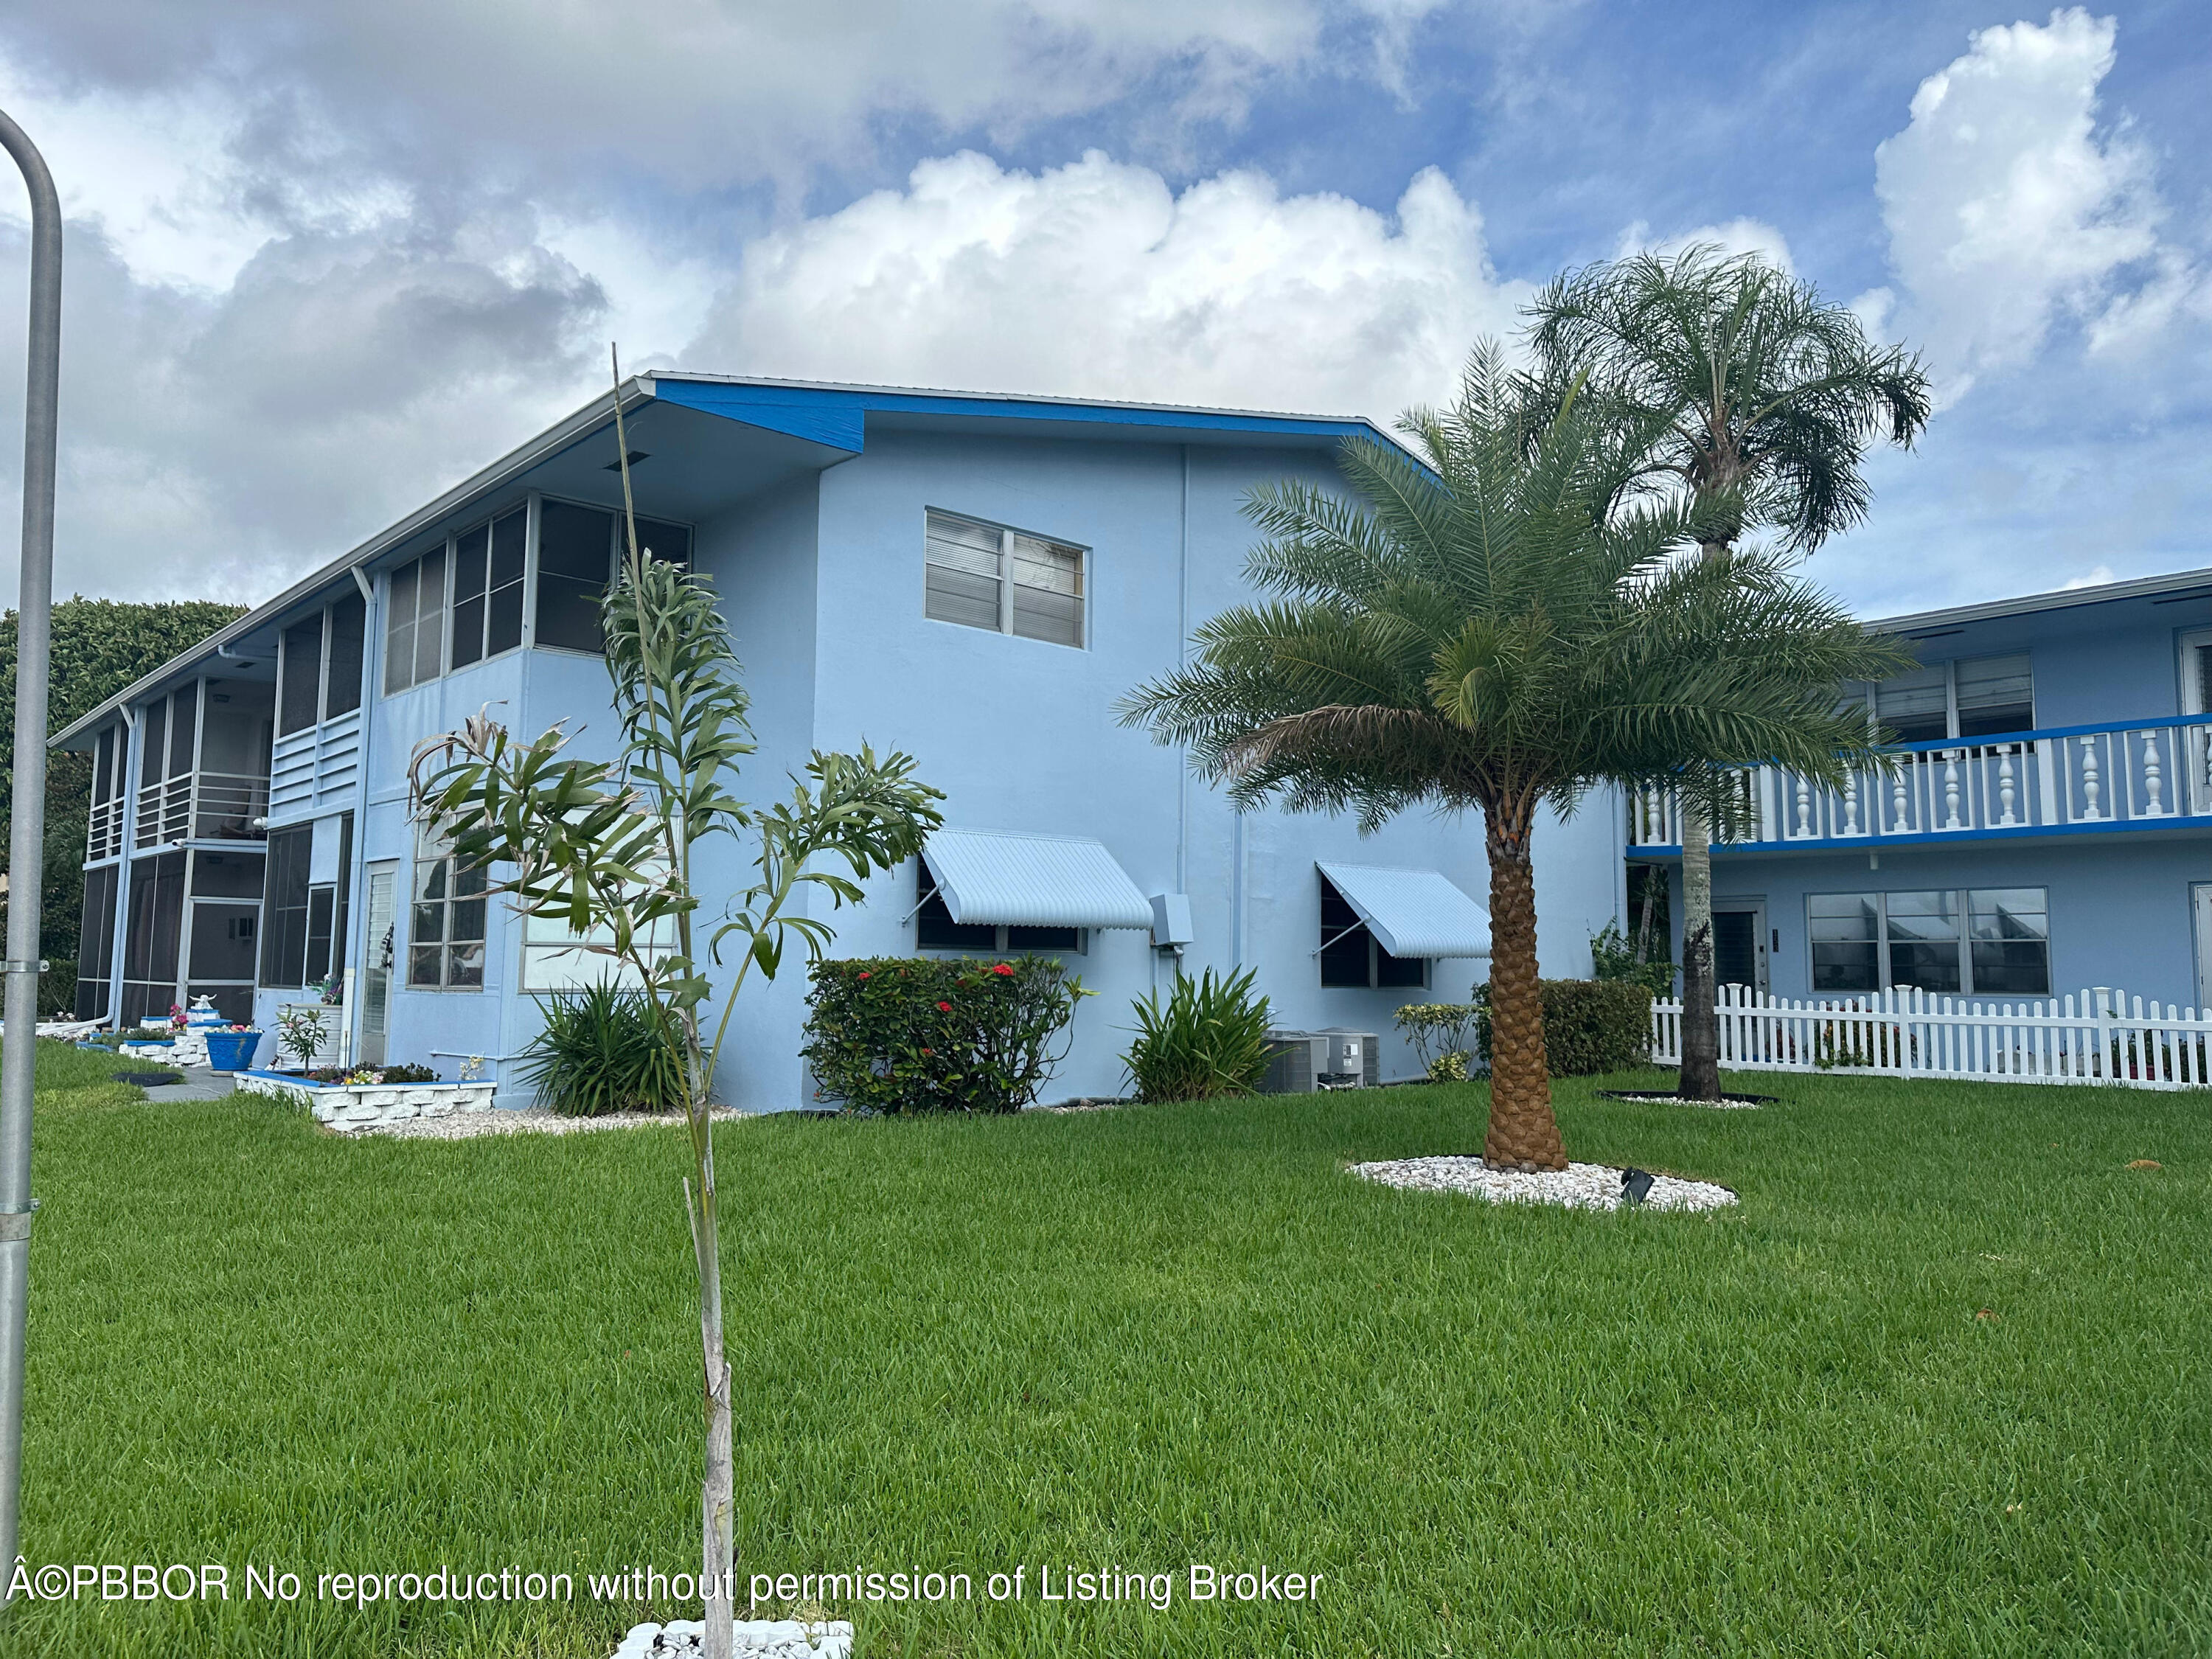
x=1756 y=399
x=1500 y=628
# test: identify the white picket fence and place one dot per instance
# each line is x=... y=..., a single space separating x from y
x=2102 y=1036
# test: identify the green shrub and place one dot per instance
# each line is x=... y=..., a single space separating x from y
x=926 y=1034
x=1208 y=1040
x=58 y=989
x=1590 y=1025
x=1612 y=957
x=603 y=1049
x=1443 y=1035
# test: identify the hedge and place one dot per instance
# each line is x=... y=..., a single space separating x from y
x=925 y=1034
x=1590 y=1025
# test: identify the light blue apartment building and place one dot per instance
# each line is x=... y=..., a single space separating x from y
x=974 y=579
x=2048 y=828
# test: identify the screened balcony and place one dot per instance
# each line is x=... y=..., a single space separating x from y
x=203 y=765
x=2074 y=780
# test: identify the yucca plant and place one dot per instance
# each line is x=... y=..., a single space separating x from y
x=1209 y=1039
x=603 y=1049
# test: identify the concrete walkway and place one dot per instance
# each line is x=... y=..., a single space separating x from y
x=199 y=1084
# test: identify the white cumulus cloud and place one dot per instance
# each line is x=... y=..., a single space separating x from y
x=2010 y=209
x=1096 y=279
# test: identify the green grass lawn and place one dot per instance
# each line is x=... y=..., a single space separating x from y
x=1938 y=1386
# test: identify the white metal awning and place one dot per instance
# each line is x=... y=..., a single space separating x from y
x=1413 y=913
x=1032 y=881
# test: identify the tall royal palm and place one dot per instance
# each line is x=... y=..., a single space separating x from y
x=1759 y=400
x=1497 y=626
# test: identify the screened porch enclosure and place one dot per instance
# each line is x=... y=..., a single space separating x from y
x=192 y=929
x=204 y=764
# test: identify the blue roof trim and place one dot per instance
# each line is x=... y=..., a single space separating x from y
x=836 y=416
x=831 y=418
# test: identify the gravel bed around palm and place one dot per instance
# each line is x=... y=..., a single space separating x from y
x=1579 y=1186
x=467 y=1125
x=757 y=1638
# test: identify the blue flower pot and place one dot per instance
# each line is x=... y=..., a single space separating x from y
x=232 y=1051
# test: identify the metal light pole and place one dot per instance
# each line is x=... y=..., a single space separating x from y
x=26 y=878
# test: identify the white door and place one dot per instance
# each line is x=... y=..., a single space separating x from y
x=376 y=977
x=2200 y=894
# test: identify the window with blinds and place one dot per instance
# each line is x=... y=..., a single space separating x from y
x=1973 y=698
x=1996 y=694
x=984 y=576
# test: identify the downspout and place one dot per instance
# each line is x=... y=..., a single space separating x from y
x=133 y=741
x=371 y=648
x=1182 y=660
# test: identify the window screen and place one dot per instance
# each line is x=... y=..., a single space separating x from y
x=1048 y=591
x=1916 y=708
x=982 y=575
x=575 y=555
x=669 y=542
x=342 y=684
x=415 y=626
x=961 y=572
x=472 y=564
x=486 y=609
x=299 y=697
x=1996 y=694
x=284 y=908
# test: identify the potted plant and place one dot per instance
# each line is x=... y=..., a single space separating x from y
x=231 y=1049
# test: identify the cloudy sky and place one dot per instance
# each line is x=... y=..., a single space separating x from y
x=325 y=261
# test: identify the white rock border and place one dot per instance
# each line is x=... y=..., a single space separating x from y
x=757 y=1639
x=1579 y=1186
x=352 y=1107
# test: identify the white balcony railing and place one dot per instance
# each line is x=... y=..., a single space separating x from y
x=103 y=835
x=2141 y=775
x=202 y=806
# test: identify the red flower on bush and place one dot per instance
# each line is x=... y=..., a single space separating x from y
x=943 y=1007
x=1004 y=971
x=863 y=976
x=929 y=1051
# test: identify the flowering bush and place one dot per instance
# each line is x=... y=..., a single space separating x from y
x=368 y=1075
x=919 y=1034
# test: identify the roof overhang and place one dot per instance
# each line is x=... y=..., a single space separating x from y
x=1413 y=913
x=796 y=427
x=2182 y=583
x=995 y=876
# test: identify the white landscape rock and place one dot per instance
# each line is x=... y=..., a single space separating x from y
x=1579 y=1186
x=757 y=1638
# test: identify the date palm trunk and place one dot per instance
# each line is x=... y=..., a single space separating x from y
x=1523 y=1135
x=1701 y=1029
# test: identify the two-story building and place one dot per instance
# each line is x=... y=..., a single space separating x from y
x=2046 y=826
x=974 y=580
